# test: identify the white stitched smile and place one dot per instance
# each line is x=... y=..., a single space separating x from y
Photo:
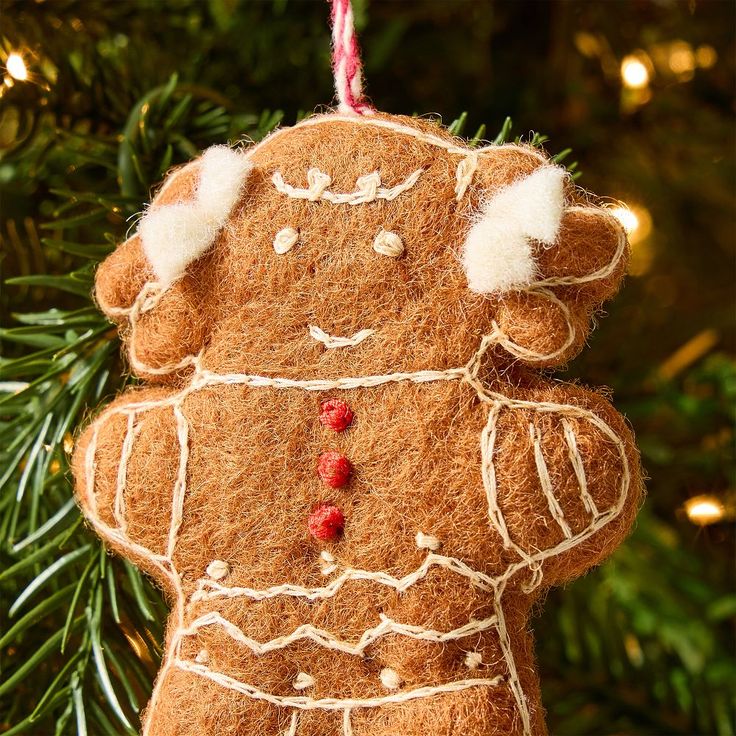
x=338 y=342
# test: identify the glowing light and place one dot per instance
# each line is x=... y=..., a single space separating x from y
x=706 y=56
x=634 y=72
x=16 y=67
x=704 y=510
x=587 y=44
x=692 y=351
x=681 y=59
x=627 y=218
x=636 y=221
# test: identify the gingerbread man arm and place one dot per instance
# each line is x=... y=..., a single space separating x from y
x=155 y=285
x=561 y=474
x=127 y=475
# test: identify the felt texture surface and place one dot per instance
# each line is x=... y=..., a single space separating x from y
x=452 y=435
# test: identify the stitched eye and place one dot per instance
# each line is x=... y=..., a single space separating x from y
x=388 y=243
x=285 y=240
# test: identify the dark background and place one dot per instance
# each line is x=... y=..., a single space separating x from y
x=643 y=645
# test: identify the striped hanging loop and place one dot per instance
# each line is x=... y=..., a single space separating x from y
x=346 y=65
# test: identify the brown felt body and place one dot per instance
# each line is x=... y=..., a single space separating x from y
x=251 y=478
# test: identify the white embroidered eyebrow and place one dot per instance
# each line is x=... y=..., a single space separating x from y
x=367 y=188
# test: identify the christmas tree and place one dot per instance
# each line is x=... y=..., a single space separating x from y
x=100 y=99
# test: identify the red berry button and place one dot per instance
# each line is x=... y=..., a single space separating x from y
x=334 y=469
x=335 y=414
x=326 y=522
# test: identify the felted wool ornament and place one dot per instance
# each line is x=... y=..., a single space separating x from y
x=346 y=469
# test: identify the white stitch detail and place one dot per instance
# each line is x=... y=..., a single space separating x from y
x=306 y=703
x=338 y=342
x=452 y=147
x=327 y=563
x=530 y=355
x=218 y=569
x=208 y=589
x=508 y=655
x=465 y=172
x=125 y=453
x=427 y=541
x=291 y=731
x=367 y=188
x=546 y=482
x=473 y=660
x=601 y=273
x=285 y=239
x=303 y=681
x=389 y=679
x=180 y=486
x=347 y=726
x=577 y=463
x=388 y=243
x=330 y=641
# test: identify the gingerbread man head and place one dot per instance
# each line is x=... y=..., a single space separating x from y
x=379 y=231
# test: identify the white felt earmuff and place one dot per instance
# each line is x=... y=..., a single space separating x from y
x=497 y=253
x=175 y=235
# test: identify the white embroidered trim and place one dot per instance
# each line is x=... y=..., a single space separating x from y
x=330 y=641
x=338 y=342
x=367 y=188
x=218 y=569
x=209 y=589
x=303 y=702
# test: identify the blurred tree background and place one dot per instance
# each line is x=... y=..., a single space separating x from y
x=100 y=98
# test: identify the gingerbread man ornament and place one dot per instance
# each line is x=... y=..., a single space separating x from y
x=345 y=468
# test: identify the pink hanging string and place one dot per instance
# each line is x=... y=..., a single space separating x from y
x=346 y=66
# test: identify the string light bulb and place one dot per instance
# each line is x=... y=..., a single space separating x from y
x=706 y=56
x=16 y=66
x=627 y=217
x=634 y=72
x=682 y=59
x=636 y=221
x=704 y=510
